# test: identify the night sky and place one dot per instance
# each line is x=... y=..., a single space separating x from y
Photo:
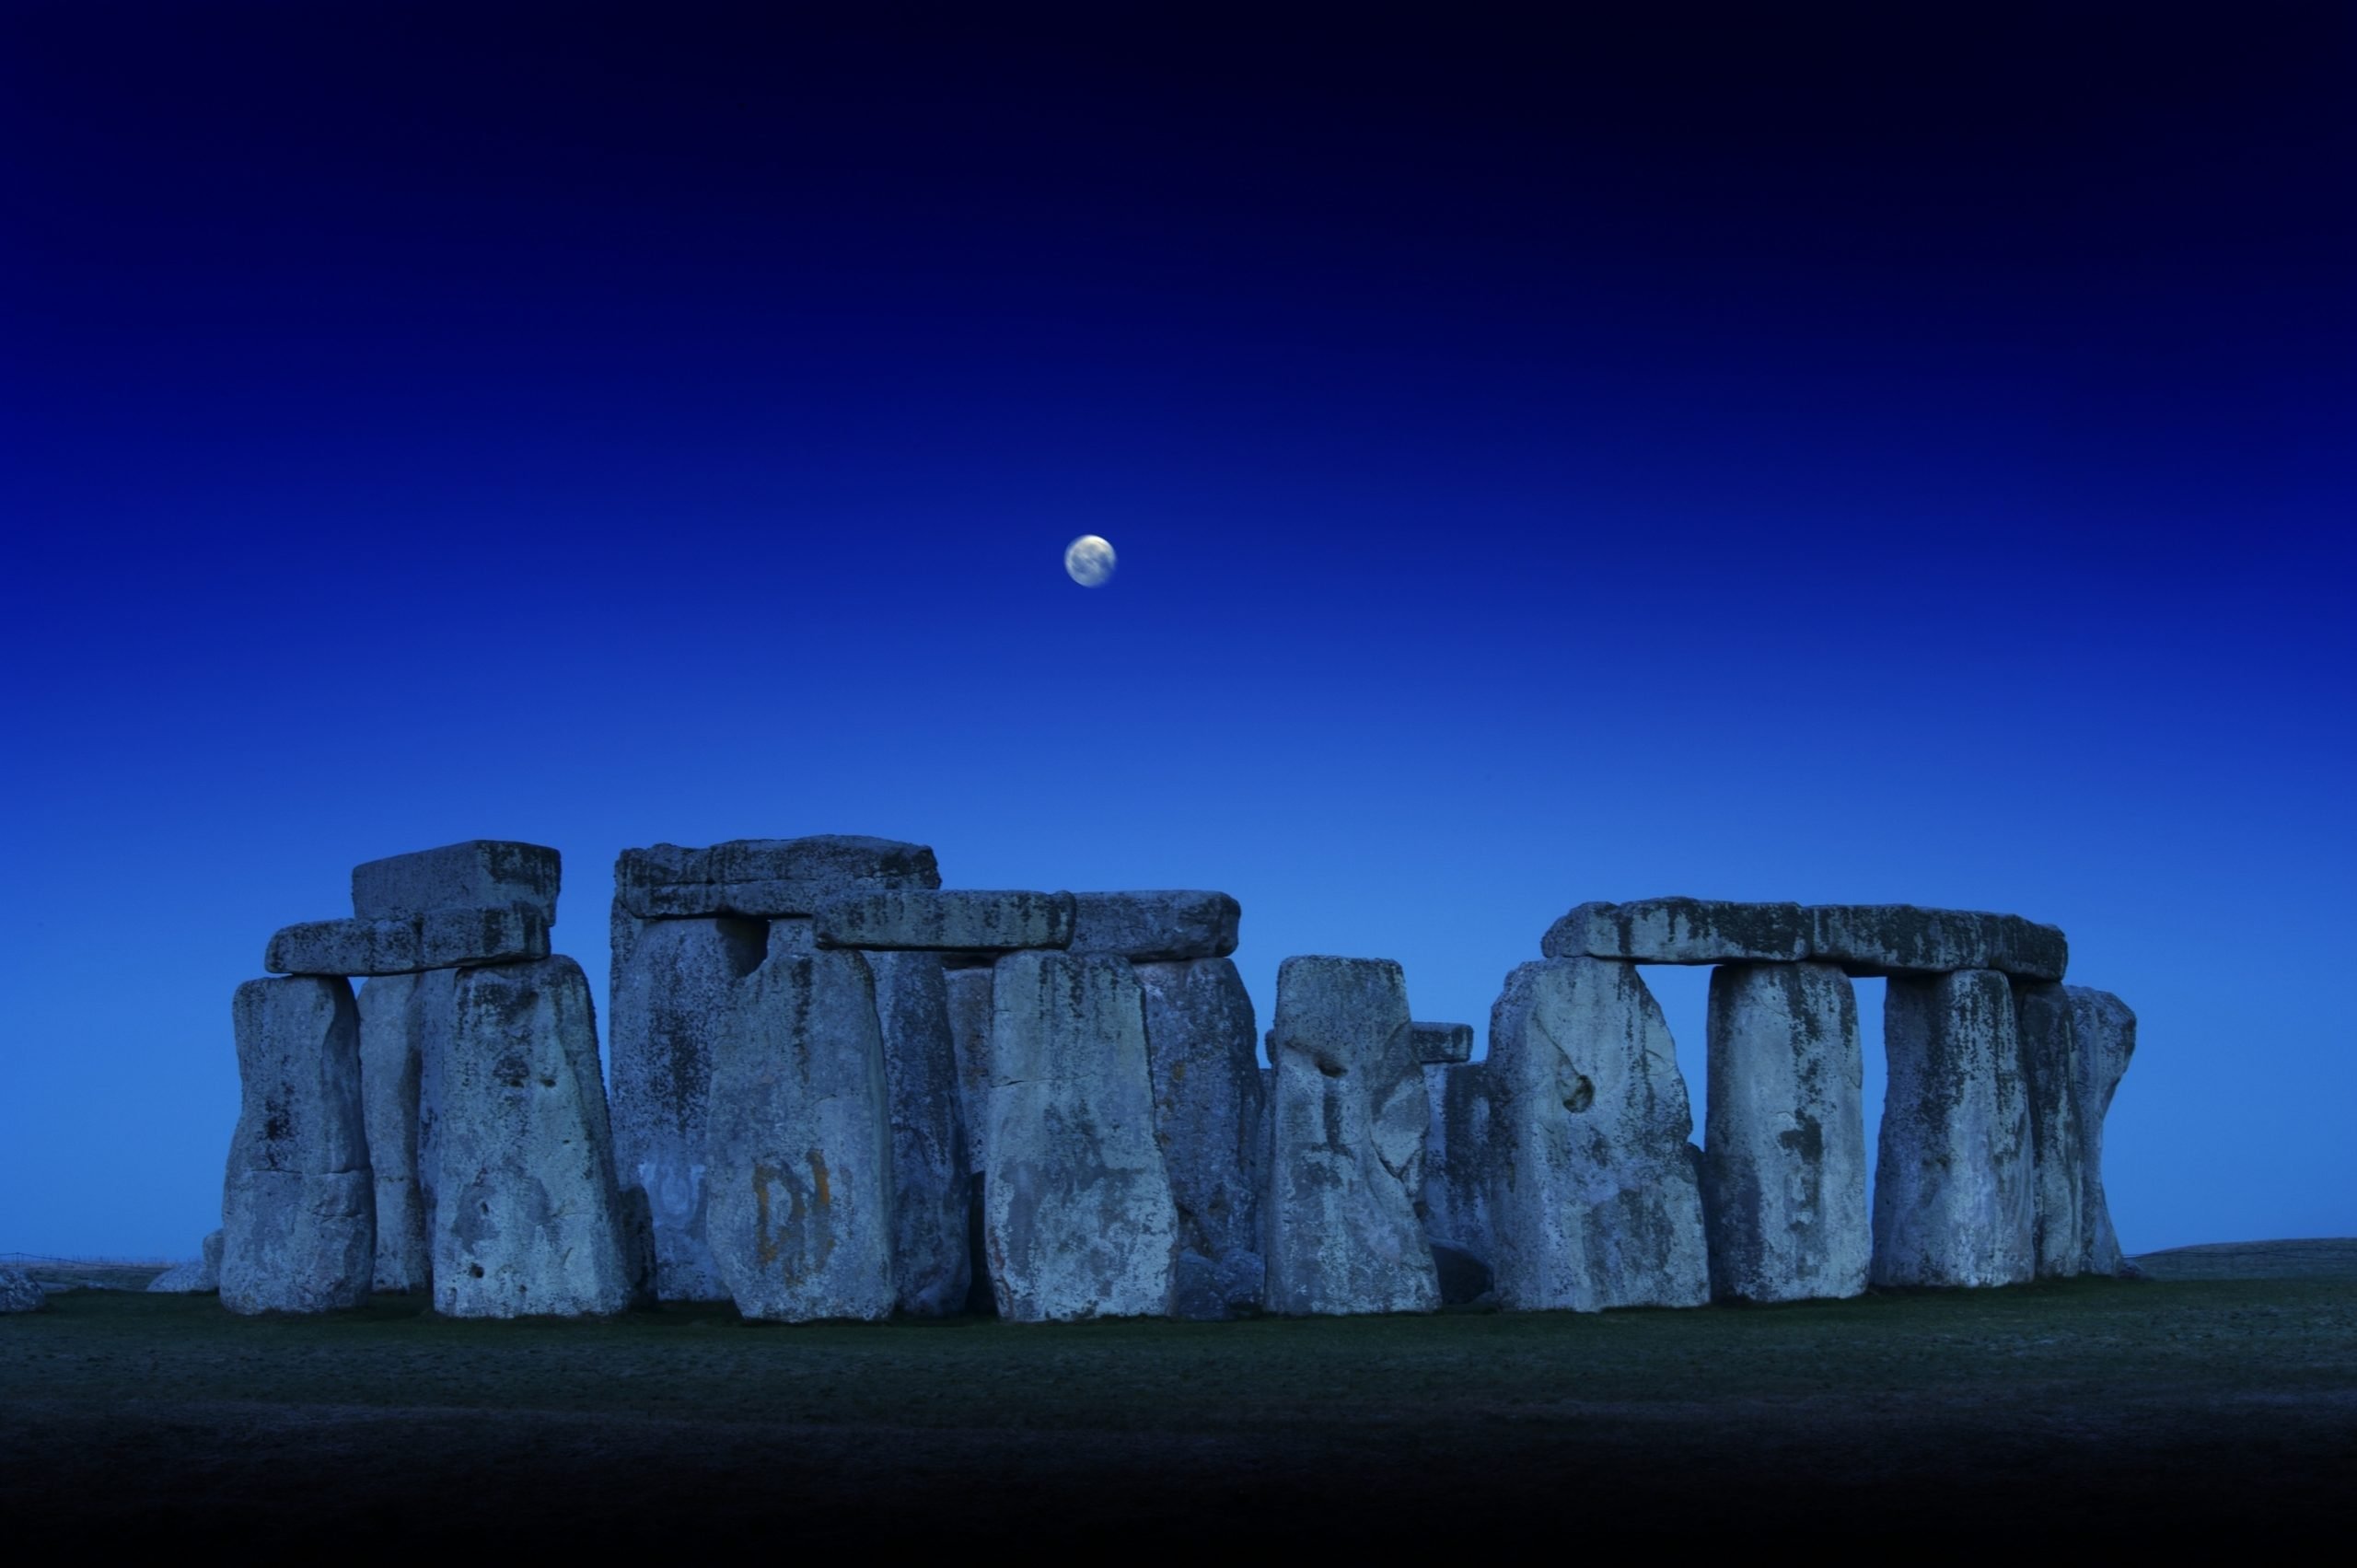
x=1806 y=455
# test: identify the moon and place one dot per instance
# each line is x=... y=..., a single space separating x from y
x=1090 y=560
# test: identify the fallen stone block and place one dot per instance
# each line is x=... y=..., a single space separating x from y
x=1078 y=1220
x=19 y=1293
x=478 y=875
x=799 y=1212
x=1681 y=931
x=1168 y=926
x=959 y=920
x=931 y=1193
x=764 y=878
x=299 y=1200
x=1953 y=1197
x=1455 y=1201
x=1200 y=1038
x=1595 y=1197
x=2104 y=1031
x=1898 y=939
x=1348 y=1143
x=1440 y=1043
x=449 y=938
x=200 y=1275
x=2050 y=1077
x=405 y=1023
x=528 y=1218
x=1785 y=1144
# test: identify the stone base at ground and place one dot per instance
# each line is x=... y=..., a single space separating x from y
x=200 y=1275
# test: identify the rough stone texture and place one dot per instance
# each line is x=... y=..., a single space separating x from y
x=298 y=1202
x=799 y=1147
x=1077 y=1220
x=1680 y=931
x=2043 y=1018
x=527 y=1219
x=1201 y=1048
x=1897 y=939
x=2105 y=1032
x=761 y=878
x=930 y=1189
x=1164 y=927
x=1443 y=1043
x=405 y=1023
x=479 y=873
x=439 y=939
x=969 y=1041
x=1953 y=1184
x=19 y=1293
x=960 y=920
x=1595 y=1197
x=198 y=1276
x=673 y=992
x=1784 y=1145
x=1456 y=1199
x=1347 y=1161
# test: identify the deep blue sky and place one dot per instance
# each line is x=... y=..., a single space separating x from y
x=1802 y=457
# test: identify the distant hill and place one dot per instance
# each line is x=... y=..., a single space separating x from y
x=2324 y=1257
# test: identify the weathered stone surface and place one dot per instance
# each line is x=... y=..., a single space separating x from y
x=959 y=920
x=761 y=878
x=1164 y=927
x=439 y=939
x=1200 y=1038
x=1784 y=1145
x=1953 y=1197
x=1348 y=1134
x=405 y=1021
x=1595 y=1197
x=799 y=1147
x=674 y=994
x=19 y=1293
x=1078 y=1220
x=970 y=1039
x=1896 y=939
x=298 y=1202
x=1456 y=1198
x=2042 y=1017
x=479 y=873
x=2104 y=1031
x=930 y=1189
x=528 y=1218
x=1438 y=1043
x=198 y=1276
x=1680 y=931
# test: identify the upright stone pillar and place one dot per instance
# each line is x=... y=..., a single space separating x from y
x=405 y=1022
x=2105 y=1032
x=970 y=1039
x=528 y=1219
x=2050 y=1077
x=1455 y=1201
x=930 y=1186
x=1348 y=1118
x=1078 y=1220
x=1595 y=1196
x=1784 y=1145
x=1201 y=1049
x=298 y=1204
x=1954 y=1196
x=799 y=1161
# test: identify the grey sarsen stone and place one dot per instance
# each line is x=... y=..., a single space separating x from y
x=478 y=874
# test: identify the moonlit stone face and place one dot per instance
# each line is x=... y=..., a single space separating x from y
x=1089 y=560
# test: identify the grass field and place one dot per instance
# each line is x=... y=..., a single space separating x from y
x=2103 y=1406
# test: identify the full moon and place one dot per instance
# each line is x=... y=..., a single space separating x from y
x=1089 y=560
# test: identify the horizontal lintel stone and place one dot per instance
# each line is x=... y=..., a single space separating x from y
x=959 y=920
x=438 y=939
x=478 y=874
x=764 y=878
x=1681 y=931
x=1864 y=939
x=1442 y=1043
x=1160 y=926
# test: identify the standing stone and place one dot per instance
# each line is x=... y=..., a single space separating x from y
x=2105 y=1031
x=969 y=1036
x=528 y=1218
x=198 y=1277
x=674 y=990
x=928 y=1181
x=1953 y=1187
x=1784 y=1146
x=1078 y=1220
x=298 y=1205
x=479 y=873
x=2043 y=1019
x=1455 y=1203
x=1201 y=1047
x=1594 y=1200
x=1349 y=1144
x=799 y=1151
x=19 y=1292
x=405 y=1023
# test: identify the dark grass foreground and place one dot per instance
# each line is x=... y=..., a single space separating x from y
x=2116 y=1410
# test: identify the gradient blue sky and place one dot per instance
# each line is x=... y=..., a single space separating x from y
x=1809 y=456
